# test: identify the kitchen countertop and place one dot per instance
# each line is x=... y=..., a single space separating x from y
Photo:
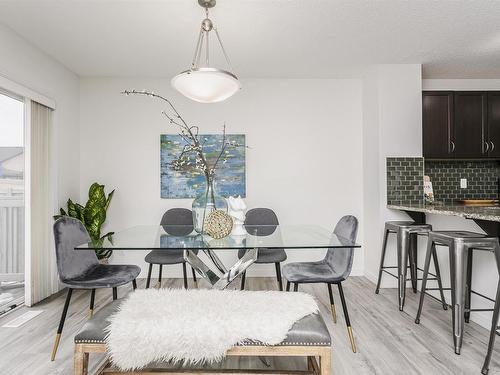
x=475 y=212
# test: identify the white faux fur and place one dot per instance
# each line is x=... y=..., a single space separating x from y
x=199 y=326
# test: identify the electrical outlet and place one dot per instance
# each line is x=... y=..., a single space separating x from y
x=463 y=183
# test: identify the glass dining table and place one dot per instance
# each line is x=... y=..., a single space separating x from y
x=184 y=238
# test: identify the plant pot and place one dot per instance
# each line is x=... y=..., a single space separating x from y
x=104 y=261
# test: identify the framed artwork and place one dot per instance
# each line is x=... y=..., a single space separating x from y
x=189 y=182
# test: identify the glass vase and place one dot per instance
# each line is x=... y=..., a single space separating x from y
x=205 y=203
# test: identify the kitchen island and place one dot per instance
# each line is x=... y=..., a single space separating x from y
x=487 y=217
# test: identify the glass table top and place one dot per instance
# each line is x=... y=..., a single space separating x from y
x=180 y=237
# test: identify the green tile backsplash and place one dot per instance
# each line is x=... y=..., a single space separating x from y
x=445 y=176
x=405 y=180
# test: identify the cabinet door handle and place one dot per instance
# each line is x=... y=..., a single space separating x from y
x=487 y=147
x=452 y=146
x=492 y=146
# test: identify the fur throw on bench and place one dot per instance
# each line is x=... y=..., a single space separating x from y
x=198 y=326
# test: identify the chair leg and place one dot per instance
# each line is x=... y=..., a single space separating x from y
x=288 y=286
x=458 y=269
x=430 y=248
x=295 y=287
x=382 y=260
x=185 y=275
x=412 y=255
x=438 y=277
x=346 y=316
x=278 y=275
x=493 y=332
x=148 y=281
x=92 y=299
x=134 y=284
x=115 y=293
x=159 y=275
x=194 y=275
x=243 y=277
x=61 y=324
x=468 y=286
x=403 y=247
x=332 y=303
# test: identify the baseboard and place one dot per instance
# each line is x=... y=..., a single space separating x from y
x=358 y=271
x=386 y=283
x=371 y=276
x=482 y=318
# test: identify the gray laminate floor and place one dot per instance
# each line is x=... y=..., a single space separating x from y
x=389 y=342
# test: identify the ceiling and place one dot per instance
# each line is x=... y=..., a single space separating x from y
x=264 y=38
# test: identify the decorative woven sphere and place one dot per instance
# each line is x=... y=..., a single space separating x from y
x=218 y=224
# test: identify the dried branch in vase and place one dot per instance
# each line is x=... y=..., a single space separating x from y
x=192 y=154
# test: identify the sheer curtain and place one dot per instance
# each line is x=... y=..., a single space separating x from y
x=44 y=281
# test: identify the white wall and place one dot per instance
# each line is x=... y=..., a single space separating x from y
x=392 y=126
x=25 y=64
x=304 y=161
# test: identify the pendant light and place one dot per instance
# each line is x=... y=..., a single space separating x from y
x=205 y=83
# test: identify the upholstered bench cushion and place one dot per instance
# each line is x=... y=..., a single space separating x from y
x=309 y=331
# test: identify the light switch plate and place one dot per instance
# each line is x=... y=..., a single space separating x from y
x=463 y=183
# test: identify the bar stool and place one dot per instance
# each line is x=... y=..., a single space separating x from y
x=406 y=237
x=460 y=246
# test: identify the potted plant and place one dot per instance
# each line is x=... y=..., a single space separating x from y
x=93 y=216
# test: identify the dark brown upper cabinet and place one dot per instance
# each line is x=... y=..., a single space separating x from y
x=461 y=124
x=469 y=130
x=494 y=124
x=437 y=119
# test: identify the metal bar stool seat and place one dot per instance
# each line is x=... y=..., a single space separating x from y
x=460 y=246
x=406 y=239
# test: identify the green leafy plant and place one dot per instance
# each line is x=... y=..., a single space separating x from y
x=92 y=215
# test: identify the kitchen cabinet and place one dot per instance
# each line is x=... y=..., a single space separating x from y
x=461 y=124
x=469 y=127
x=437 y=119
x=494 y=124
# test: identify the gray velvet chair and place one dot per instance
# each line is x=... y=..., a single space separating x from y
x=264 y=216
x=80 y=269
x=170 y=221
x=333 y=269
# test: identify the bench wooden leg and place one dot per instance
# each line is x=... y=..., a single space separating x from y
x=325 y=362
x=81 y=361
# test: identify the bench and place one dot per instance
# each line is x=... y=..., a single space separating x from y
x=308 y=338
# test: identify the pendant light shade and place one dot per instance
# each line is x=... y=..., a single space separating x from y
x=206 y=84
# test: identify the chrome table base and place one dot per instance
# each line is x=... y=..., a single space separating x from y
x=219 y=276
